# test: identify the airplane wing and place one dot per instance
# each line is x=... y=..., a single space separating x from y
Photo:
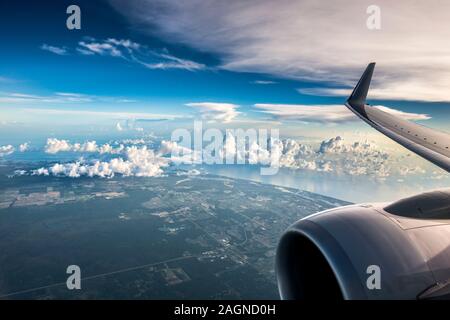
x=431 y=144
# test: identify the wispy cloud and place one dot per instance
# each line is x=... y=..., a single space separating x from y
x=59 y=97
x=263 y=82
x=101 y=48
x=324 y=113
x=137 y=53
x=384 y=91
x=310 y=41
x=113 y=115
x=216 y=112
x=172 y=62
x=61 y=51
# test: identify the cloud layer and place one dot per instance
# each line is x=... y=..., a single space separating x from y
x=334 y=155
x=305 y=39
x=343 y=158
x=216 y=112
x=325 y=113
x=140 y=162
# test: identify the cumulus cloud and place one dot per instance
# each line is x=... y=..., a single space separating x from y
x=6 y=150
x=216 y=112
x=178 y=154
x=55 y=145
x=167 y=147
x=334 y=155
x=307 y=40
x=325 y=113
x=61 y=51
x=24 y=147
x=171 y=147
x=140 y=162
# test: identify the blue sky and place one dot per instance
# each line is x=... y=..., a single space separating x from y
x=31 y=70
x=109 y=83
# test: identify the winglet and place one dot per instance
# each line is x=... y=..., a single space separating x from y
x=358 y=97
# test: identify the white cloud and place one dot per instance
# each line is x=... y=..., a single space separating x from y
x=126 y=43
x=61 y=51
x=115 y=115
x=58 y=97
x=55 y=145
x=173 y=62
x=85 y=52
x=178 y=154
x=6 y=150
x=132 y=141
x=264 y=82
x=24 y=147
x=325 y=113
x=170 y=147
x=216 y=112
x=137 y=53
x=140 y=162
x=334 y=155
x=306 y=39
x=100 y=48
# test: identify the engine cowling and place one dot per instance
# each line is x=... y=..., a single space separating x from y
x=327 y=255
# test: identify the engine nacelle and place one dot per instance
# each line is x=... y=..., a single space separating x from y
x=327 y=255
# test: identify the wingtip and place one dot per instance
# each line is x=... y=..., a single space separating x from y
x=359 y=94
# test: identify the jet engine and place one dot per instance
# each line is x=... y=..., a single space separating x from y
x=336 y=253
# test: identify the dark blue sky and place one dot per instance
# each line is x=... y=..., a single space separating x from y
x=25 y=27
